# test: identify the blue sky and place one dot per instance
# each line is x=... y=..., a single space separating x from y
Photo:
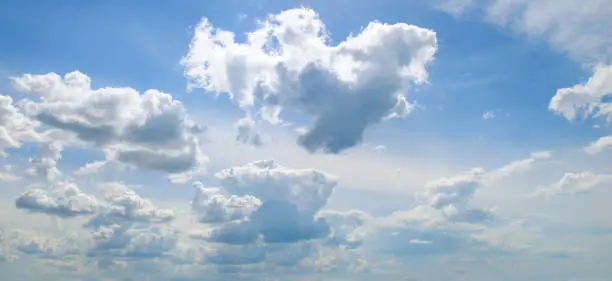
x=490 y=167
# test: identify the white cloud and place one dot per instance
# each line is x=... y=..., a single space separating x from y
x=586 y=100
x=518 y=166
x=211 y=206
x=125 y=207
x=149 y=131
x=574 y=183
x=599 y=145
x=15 y=127
x=62 y=199
x=307 y=189
x=287 y=64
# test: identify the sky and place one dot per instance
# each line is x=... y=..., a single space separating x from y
x=306 y=140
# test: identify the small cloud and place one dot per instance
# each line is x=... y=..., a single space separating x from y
x=490 y=114
x=380 y=147
x=420 y=242
x=242 y=17
x=599 y=145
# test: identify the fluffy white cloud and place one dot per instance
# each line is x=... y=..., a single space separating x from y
x=288 y=63
x=211 y=206
x=573 y=183
x=125 y=207
x=586 y=100
x=61 y=199
x=149 y=130
x=307 y=189
x=599 y=145
x=346 y=227
x=15 y=127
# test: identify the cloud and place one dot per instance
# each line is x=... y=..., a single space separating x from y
x=211 y=206
x=149 y=131
x=15 y=243
x=125 y=207
x=588 y=99
x=45 y=162
x=574 y=183
x=346 y=227
x=599 y=145
x=307 y=189
x=269 y=215
x=490 y=114
x=134 y=242
x=15 y=127
x=517 y=166
x=577 y=28
x=247 y=133
x=62 y=199
x=287 y=63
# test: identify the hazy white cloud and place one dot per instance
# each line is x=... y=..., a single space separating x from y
x=287 y=63
x=599 y=145
x=518 y=166
x=574 y=183
x=578 y=28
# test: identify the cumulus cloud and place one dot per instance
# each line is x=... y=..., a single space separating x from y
x=574 y=183
x=125 y=206
x=266 y=212
x=346 y=227
x=134 y=242
x=307 y=189
x=211 y=206
x=588 y=99
x=288 y=63
x=149 y=130
x=15 y=127
x=599 y=145
x=61 y=199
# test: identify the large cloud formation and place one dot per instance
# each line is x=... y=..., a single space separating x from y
x=288 y=63
x=267 y=201
x=149 y=130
